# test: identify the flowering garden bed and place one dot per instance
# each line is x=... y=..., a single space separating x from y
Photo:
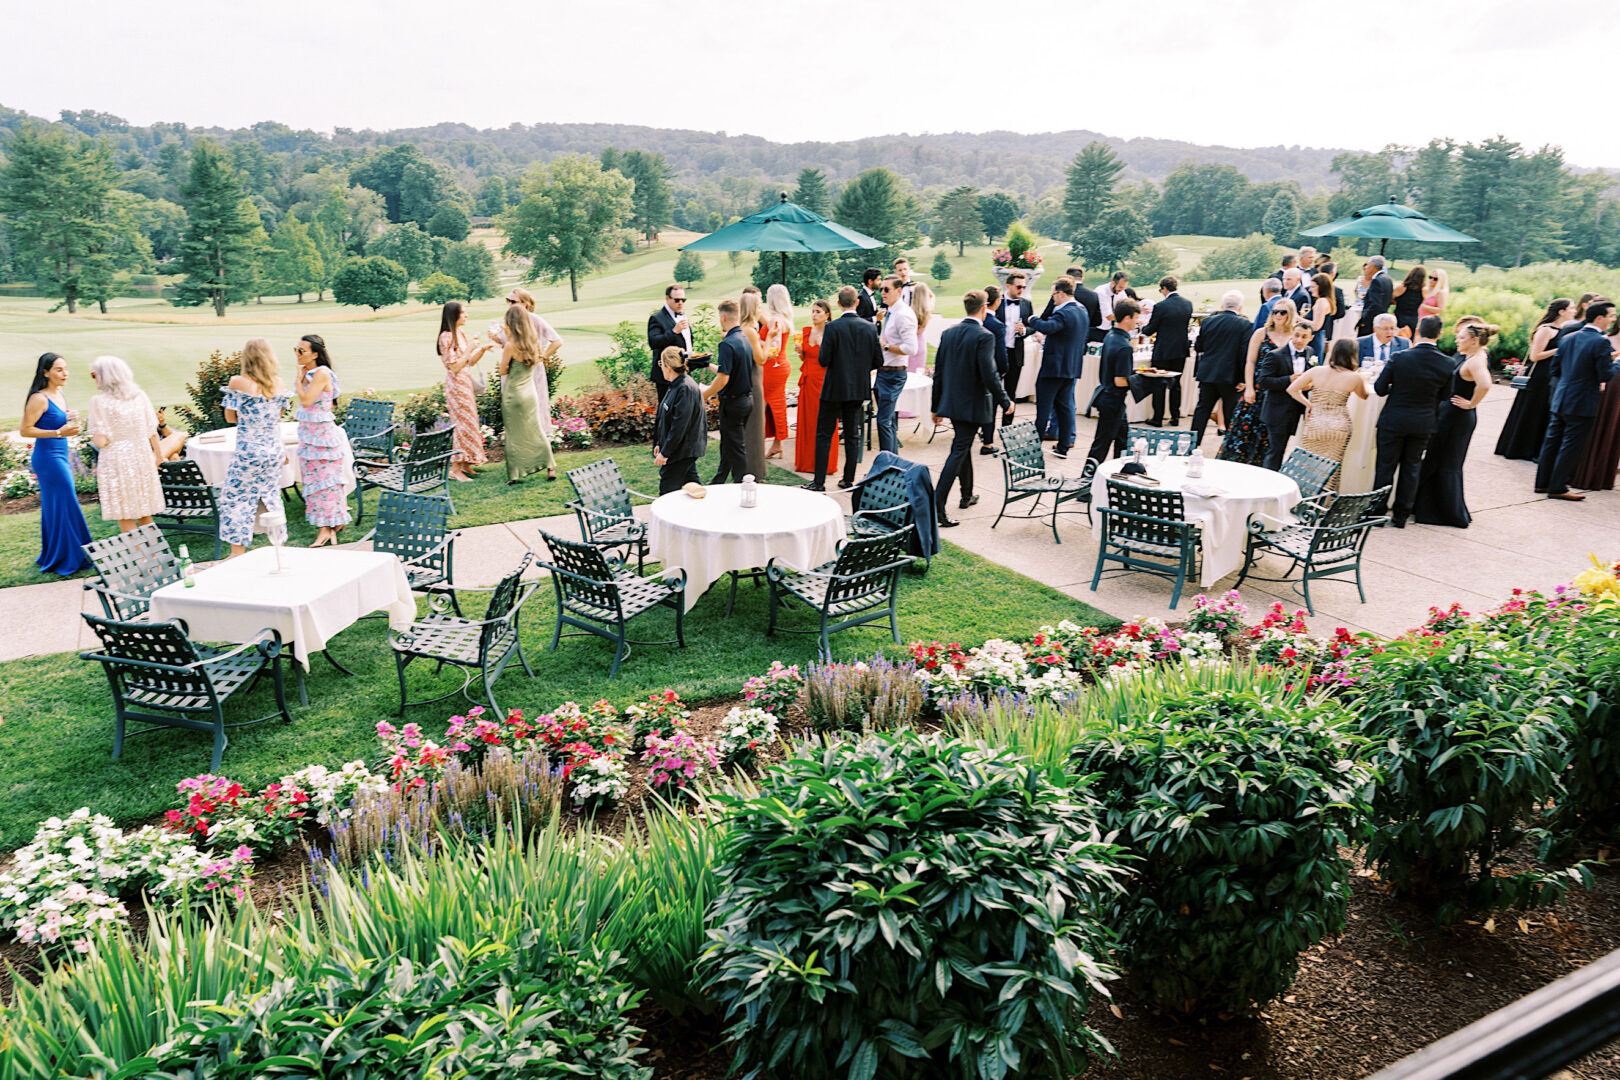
x=1219 y=848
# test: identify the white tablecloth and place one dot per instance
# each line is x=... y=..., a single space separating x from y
x=324 y=593
x=1086 y=384
x=1361 y=453
x=709 y=537
x=1244 y=490
x=213 y=450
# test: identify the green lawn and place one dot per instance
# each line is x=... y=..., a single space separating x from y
x=57 y=735
x=486 y=501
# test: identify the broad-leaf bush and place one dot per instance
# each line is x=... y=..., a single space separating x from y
x=1468 y=732
x=1235 y=801
x=910 y=906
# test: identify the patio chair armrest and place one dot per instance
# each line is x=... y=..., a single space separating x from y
x=525 y=591
x=103 y=590
x=439 y=548
x=641 y=495
x=882 y=510
x=640 y=527
x=774 y=572
x=267 y=643
x=1260 y=524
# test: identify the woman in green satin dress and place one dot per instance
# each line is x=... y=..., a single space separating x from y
x=527 y=448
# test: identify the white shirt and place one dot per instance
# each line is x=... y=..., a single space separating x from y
x=1105 y=301
x=1010 y=310
x=1299 y=360
x=686 y=334
x=899 y=328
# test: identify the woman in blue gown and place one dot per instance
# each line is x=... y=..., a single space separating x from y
x=48 y=421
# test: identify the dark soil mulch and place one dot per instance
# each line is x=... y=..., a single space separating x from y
x=28 y=503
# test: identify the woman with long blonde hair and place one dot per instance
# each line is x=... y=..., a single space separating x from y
x=254 y=402
x=123 y=427
x=778 y=316
x=751 y=318
x=1435 y=293
x=528 y=450
x=1246 y=439
x=922 y=306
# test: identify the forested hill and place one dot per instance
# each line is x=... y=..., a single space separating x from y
x=1027 y=165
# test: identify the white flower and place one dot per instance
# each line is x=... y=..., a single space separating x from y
x=743 y=731
x=601 y=780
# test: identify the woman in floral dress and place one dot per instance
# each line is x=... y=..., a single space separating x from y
x=320 y=443
x=254 y=402
x=460 y=353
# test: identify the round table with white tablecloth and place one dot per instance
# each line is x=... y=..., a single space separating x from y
x=1221 y=503
x=917 y=399
x=1361 y=452
x=213 y=450
x=711 y=536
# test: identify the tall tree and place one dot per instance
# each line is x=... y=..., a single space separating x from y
x=1199 y=199
x=412 y=187
x=997 y=212
x=811 y=192
x=294 y=263
x=1281 y=222
x=958 y=215
x=1089 y=192
x=1111 y=238
x=569 y=221
x=651 y=201
x=449 y=221
x=874 y=203
x=56 y=189
x=492 y=197
x=217 y=253
x=407 y=245
x=372 y=281
x=470 y=263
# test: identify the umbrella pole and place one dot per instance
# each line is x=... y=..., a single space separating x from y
x=1382 y=245
x=784 y=269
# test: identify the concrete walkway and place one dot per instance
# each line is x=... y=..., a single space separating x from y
x=1517 y=540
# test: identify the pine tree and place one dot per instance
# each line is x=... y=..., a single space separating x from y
x=812 y=193
x=217 y=253
x=997 y=212
x=959 y=220
x=295 y=263
x=67 y=235
x=873 y=203
x=1111 y=238
x=1089 y=193
x=941 y=268
x=1281 y=222
x=653 y=205
x=688 y=268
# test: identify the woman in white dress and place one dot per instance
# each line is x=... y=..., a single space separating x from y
x=123 y=428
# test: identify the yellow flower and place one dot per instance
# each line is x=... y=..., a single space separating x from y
x=1599 y=583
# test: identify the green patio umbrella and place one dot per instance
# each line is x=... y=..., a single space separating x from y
x=785 y=227
x=1391 y=221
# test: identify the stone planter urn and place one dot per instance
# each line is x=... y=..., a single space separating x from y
x=1030 y=276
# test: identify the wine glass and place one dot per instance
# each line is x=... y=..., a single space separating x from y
x=275 y=527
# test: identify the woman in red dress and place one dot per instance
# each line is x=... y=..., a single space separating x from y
x=810 y=375
x=778 y=328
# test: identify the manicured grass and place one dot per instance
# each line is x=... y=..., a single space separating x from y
x=486 y=501
x=57 y=735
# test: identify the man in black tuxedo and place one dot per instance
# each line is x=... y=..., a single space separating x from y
x=1416 y=381
x=866 y=305
x=669 y=326
x=1167 y=326
x=992 y=300
x=1584 y=363
x=734 y=387
x=1223 y=342
x=1014 y=311
x=1380 y=294
x=1281 y=412
x=1088 y=299
x=850 y=353
x=1287 y=262
x=964 y=382
x=1294 y=289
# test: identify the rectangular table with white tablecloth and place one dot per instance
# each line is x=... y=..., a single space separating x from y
x=213 y=450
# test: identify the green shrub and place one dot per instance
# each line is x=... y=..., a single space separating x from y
x=879 y=696
x=1250 y=258
x=424 y=409
x=479 y=1009
x=910 y=906
x=623 y=416
x=1542 y=282
x=1468 y=736
x=207 y=391
x=630 y=358
x=1236 y=802
x=373 y=281
x=1514 y=313
x=941 y=268
x=1590 y=802
x=1019 y=240
x=438 y=287
x=1150 y=262
x=489 y=402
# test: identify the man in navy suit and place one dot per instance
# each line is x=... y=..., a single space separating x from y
x=1416 y=382
x=1167 y=326
x=1061 y=363
x=1270 y=289
x=1223 y=343
x=1380 y=294
x=1584 y=362
x=1281 y=412
x=965 y=380
x=1383 y=343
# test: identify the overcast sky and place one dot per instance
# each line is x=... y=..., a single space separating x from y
x=1229 y=72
